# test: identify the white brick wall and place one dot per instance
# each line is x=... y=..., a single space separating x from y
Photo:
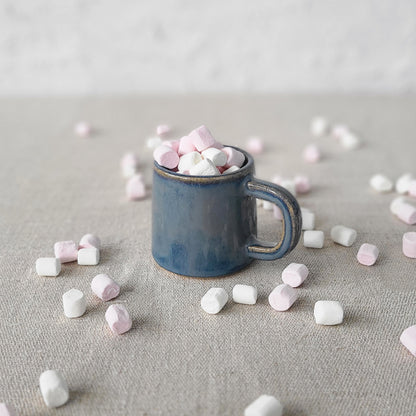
x=133 y=46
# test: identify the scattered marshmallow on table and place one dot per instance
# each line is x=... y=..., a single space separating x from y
x=408 y=339
x=412 y=188
x=135 y=188
x=163 y=130
x=265 y=405
x=409 y=244
x=66 y=251
x=406 y=212
x=74 y=303
x=204 y=168
x=82 y=129
x=118 y=319
x=403 y=183
x=48 y=266
x=381 y=183
x=166 y=156
x=295 y=274
x=188 y=161
x=282 y=297
x=54 y=388
x=339 y=130
x=343 y=235
x=395 y=204
x=216 y=156
x=328 y=312
x=104 y=287
x=255 y=145
x=89 y=240
x=245 y=294
x=214 y=300
x=319 y=126
x=129 y=164
x=88 y=256
x=350 y=141
x=302 y=184
x=202 y=138
x=6 y=410
x=367 y=254
x=313 y=239
x=311 y=153
x=308 y=219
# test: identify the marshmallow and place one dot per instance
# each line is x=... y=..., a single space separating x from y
x=6 y=410
x=173 y=144
x=89 y=240
x=319 y=126
x=268 y=206
x=302 y=184
x=313 y=239
x=308 y=220
x=367 y=254
x=82 y=129
x=231 y=169
x=395 y=204
x=216 y=156
x=403 y=183
x=282 y=297
x=295 y=274
x=408 y=339
x=48 y=266
x=255 y=145
x=339 y=130
x=406 y=212
x=289 y=185
x=412 y=188
x=165 y=156
x=75 y=303
x=234 y=157
x=66 y=251
x=135 y=188
x=264 y=406
x=88 y=256
x=163 y=130
x=277 y=212
x=409 y=244
x=381 y=183
x=53 y=388
x=186 y=145
x=245 y=294
x=204 y=168
x=343 y=235
x=188 y=161
x=349 y=141
x=311 y=153
x=129 y=164
x=153 y=142
x=202 y=138
x=118 y=319
x=328 y=312
x=105 y=287
x=214 y=300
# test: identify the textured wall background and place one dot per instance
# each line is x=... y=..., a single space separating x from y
x=130 y=46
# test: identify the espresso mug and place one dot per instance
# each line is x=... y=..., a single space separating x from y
x=205 y=226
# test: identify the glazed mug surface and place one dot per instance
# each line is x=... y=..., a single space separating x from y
x=205 y=226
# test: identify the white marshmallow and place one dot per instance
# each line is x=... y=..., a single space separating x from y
x=319 y=126
x=403 y=183
x=54 y=389
x=188 y=161
x=231 y=169
x=264 y=406
x=308 y=220
x=48 y=266
x=381 y=183
x=214 y=300
x=343 y=235
x=88 y=256
x=328 y=312
x=268 y=206
x=75 y=303
x=216 y=156
x=153 y=142
x=245 y=294
x=204 y=168
x=396 y=203
x=350 y=141
x=313 y=239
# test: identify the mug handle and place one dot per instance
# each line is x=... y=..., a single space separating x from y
x=292 y=220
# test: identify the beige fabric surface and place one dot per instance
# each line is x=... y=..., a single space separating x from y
x=177 y=360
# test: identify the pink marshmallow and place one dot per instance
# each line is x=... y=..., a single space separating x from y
x=412 y=188
x=255 y=145
x=408 y=339
x=282 y=297
x=311 y=153
x=90 y=241
x=340 y=130
x=129 y=164
x=105 y=287
x=367 y=254
x=234 y=157
x=295 y=274
x=173 y=144
x=166 y=156
x=163 y=130
x=186 y=145
x=302 y=184
x=6 y=410
x=135 y=188
x=82 y=129
x=118 y=319
x=409 y=244
x=66 y=251
x=277 y=212
x=202 y=138
x=407 y=213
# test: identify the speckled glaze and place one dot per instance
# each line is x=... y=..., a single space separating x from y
x=207 y=226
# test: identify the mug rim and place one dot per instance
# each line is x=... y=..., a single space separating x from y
x=213 y=178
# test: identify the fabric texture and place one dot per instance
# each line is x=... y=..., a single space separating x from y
x=178 y=360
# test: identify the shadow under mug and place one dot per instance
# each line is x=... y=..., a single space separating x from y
x=205 y=226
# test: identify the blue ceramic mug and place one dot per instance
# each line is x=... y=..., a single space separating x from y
x=206 y=226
